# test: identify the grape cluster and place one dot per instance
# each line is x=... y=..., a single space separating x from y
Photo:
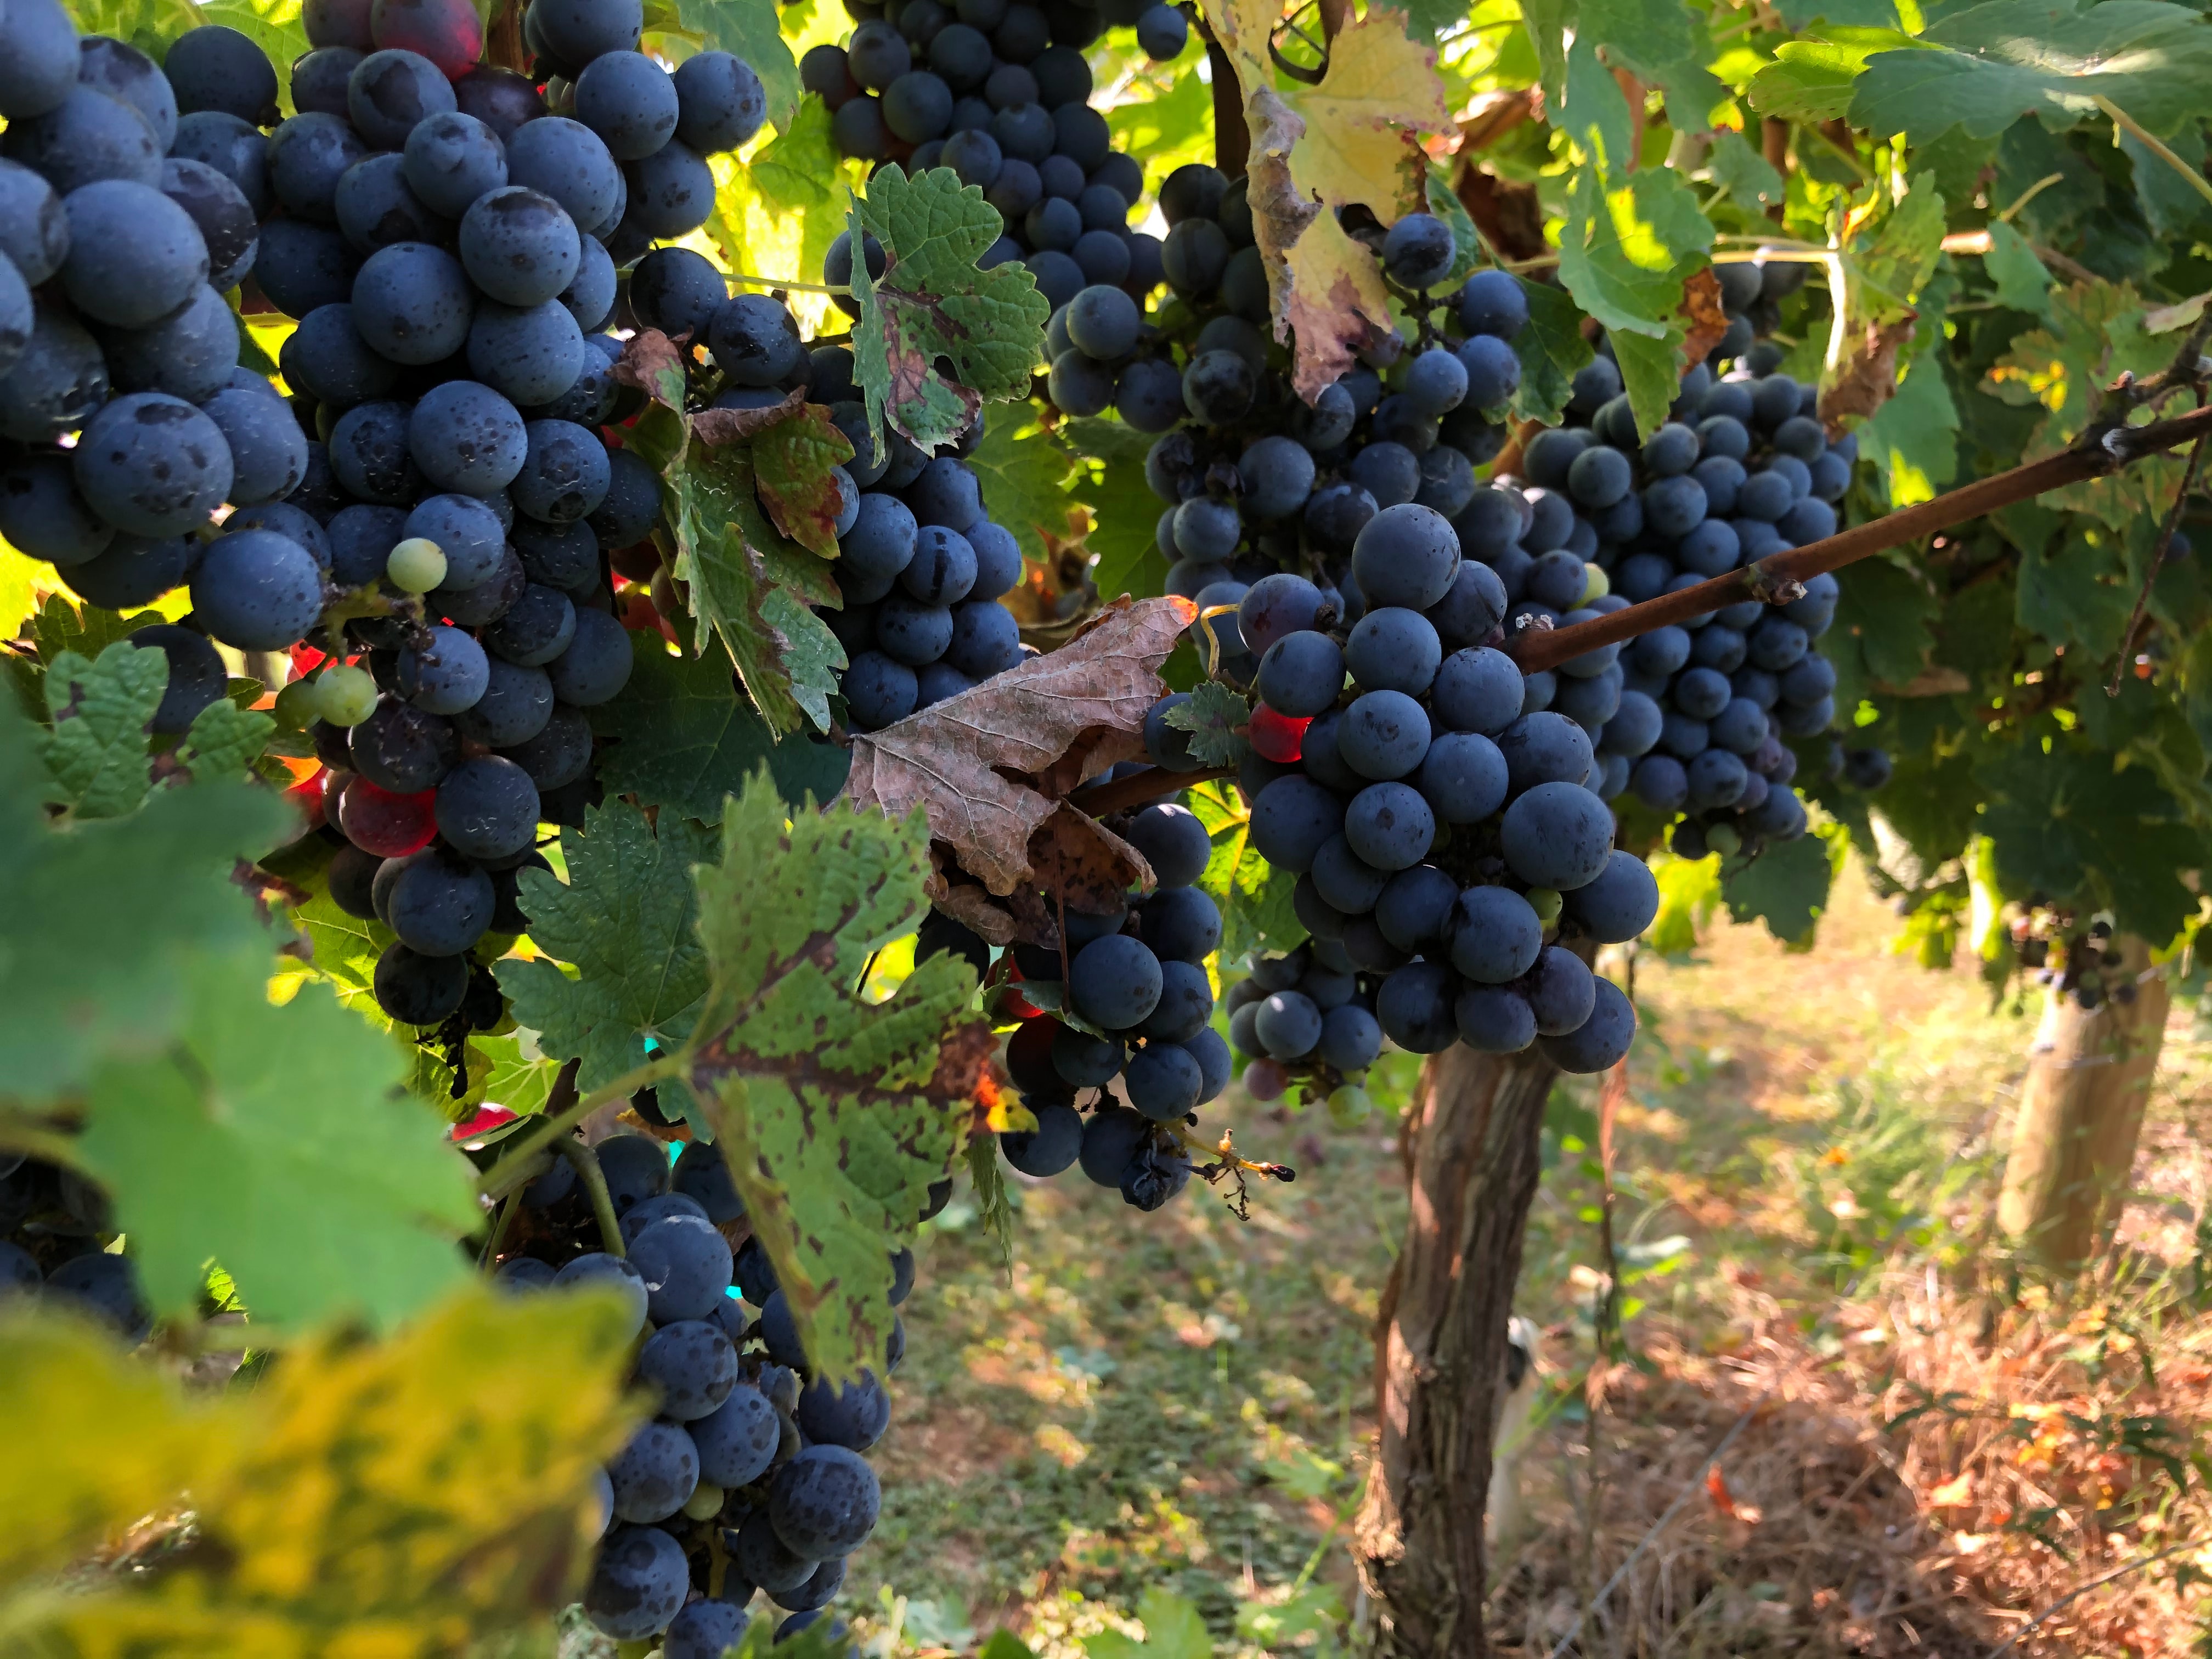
x=426 y=525
x=1742 y=469
x=1442 y=830
x=1133 y=1031
x=999 y=93
x=55 y=1229
x=751 y=1477
x=1305 y=1012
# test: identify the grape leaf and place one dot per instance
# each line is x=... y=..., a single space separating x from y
x=1125 y=514
x=624 y=922
x=113 y=1441
x=752 y=585
x=1891 y=265
x=680 y=738
x=2170 y=204
x=1253 y=896
x=1173 y=1630
x=2022 y=283
x=350 y=1208
x=1052 y=720
x=411 y=1497
x=1913 y=438
x=1811 y=80
x=792 y=463
x=932 y=301
x=1594 y=113
x=836 y=1114
x=1882 y=631
x=749 y=29
x=1551 y=351
x=107 y=918
x=1743 y=173
x=1994 y=63
x=1212 y=717
x=1359 y=145
x=225 y=740
x=1624 y=253
x=60 y=626
x=2072 y=826
x=99 y=709
x=1026 y=475
x=1786 y=887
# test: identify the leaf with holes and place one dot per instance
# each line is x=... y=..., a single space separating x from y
x=933 y=303
x=836 y=1115
x=623 y=922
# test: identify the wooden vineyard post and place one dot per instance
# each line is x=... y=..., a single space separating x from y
x=1471 y=1151
x=2081 y=1111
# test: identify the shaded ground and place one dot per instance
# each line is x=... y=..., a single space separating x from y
x=1926 y=1457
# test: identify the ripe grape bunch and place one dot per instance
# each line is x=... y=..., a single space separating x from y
x=426 y=524
x=1131 y=1036
x=751 y=1477
x=55 y=1230
x=1704 y=711
x=999 y=93
x=1307 y=1013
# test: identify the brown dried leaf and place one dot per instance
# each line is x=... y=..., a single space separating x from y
x=652 y=363
x=979 y=765
x=1701 y=310
x=733 y=426
x=1867 y=379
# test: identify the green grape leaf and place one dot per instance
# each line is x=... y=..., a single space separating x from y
x=1253 y=896
x=995 y=1208
x=1912 y=439
x=745 y=28
x=2071 y=825
x=829 y=1108
x=1212 y=717
x=1994 y=63
x=1548 y=23
x=1469 y=252
x=1803 y=14
x=2022 y=283
x=792 y=464
x=97 y=753
x=342 y=950
x=1175 y=127
x=1651 y=375
x=1026 y=475
x=107 y=918
x=225 y=740
x=1786 y=887
x=1813 y=80
x=1882 y=632
x=1624 y=254
x=1173 y=1630
x=2169 y=202
x=1747 y=176
x=60 y=626
x=751 y=586
x=624 y=923
x=2077 y=592
x=1124 y=513
x=1594 y=113
x=349 y=1209
x=1551 y=351
x=680 y=738
x=1892 y=264
x=933 y=303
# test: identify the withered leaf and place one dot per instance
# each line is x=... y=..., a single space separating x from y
x=990 y=766
x=1867 y=377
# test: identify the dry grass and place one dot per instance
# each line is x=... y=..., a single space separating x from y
x=1933 y=1451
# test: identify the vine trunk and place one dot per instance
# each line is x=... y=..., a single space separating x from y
x=2081 y=1111
x=1471 y=1151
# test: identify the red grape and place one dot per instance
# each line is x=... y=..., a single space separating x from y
x=377 y=821
x=1278 y=738
x=446 y=32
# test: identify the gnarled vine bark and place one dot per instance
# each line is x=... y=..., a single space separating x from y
x=1471 y=1151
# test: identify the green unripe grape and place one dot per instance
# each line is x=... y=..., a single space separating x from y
x=415 y=565
x=1595 y=584
x=346 y=696
x=1350 y=1106
x=298 y=705
x=1723 y=839
x=705 y=1502
x=1546 y=902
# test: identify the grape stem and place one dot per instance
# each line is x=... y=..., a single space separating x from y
x=586 y=1163
x=1106 y=797
x=2105 y=448
x=1226 y=1154
x=512 y=1168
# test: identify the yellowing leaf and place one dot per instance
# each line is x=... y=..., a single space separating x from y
x=1332 y=299
x=400 y=1500
x=1361 y=121
x=99 y=1440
